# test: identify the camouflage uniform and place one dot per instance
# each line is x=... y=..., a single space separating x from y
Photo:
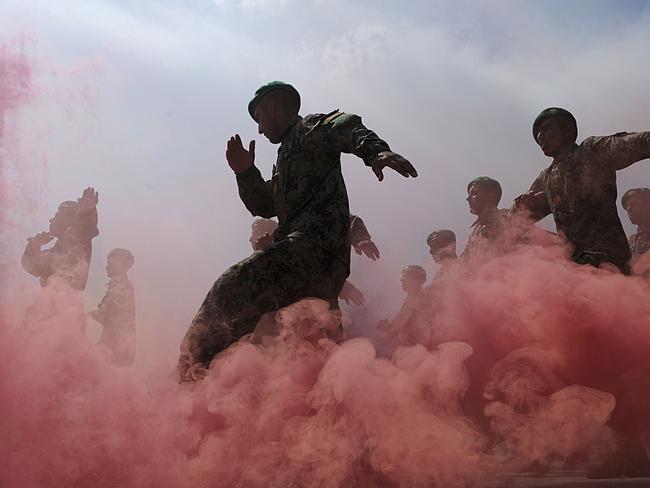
x=485 y=231
x=69 y=257
x=116 y=313
x=358 y=231
x=579 y=189
x=310 y=255
x=639 y=243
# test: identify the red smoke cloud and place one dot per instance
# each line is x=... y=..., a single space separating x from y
x=302 y=411
x=533 y=357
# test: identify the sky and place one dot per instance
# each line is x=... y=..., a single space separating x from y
x=139 y=98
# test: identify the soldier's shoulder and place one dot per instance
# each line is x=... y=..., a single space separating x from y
x=330 y=119
x=595 y=141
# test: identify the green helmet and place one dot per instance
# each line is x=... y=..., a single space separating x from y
x=269 y=87
x=441 y=238
x=552 y=112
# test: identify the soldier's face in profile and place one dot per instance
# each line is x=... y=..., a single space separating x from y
x=411 y=283
x=61 y=221
x=442 y=254
x=553 y=135
x=638 y=209
x=113 y=267
x=268 y=118
x=479 y=199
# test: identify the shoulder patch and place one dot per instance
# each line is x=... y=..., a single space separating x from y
x=332 y=116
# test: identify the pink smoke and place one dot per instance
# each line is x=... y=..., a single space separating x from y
x=300 y=411
x=530 y=357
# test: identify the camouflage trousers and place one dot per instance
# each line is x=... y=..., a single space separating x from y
x=283 y=273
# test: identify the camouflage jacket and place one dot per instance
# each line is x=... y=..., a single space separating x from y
x=485 y=231
x=579 y=189
x=69 y=257
x=306 y=190
x=358 y=231
x=640 y=243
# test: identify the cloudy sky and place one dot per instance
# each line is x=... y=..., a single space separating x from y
x=137 y=98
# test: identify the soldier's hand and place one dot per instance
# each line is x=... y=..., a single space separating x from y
x=239 y=159
x=40 y=239
x=89 y=198
x=368 y=248
x=351 y=293
x=394 y=161
x=263 y=242
x=530 y=200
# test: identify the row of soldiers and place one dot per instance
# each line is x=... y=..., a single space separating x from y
x=63 y=272
x=308 y=255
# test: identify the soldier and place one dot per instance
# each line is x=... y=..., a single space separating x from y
x=408 y=326
x=636 y=203
x=262 y=237
x=116 y=311
x=73 y=226
x=310 y=253
x=579 y=187
x=442 y=247
x=483 y=197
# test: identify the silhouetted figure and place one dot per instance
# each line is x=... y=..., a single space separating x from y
x=73 y=226
x=116 y=311
x=483 y=197
x=579 y=187
x=636 y=203
x=310 y=254
x=409 y=326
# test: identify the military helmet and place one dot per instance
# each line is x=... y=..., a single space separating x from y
x=269 y=87
x=440 y=238
x=552 y=112
x=487 y=182
x=632 y=192
x=415 y=270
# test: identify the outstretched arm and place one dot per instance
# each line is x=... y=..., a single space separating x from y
x=255 y=193
x=361 y=240
x=34 y=260
x=351 y=293
x=351 y=136
x=534 y=202
x=85 y=224
x=624 y=149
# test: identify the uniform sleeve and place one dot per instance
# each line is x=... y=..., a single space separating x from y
x=256 y=193
x=352 y=137
x=621 y=150
x=534 y=201
x=85 y=224
x=358 y=231
x=35 y=261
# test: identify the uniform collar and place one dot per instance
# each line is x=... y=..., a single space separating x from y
x=564 y=152
x=487 y=218
x=289 y=128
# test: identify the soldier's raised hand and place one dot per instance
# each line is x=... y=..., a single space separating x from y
x=239 y=159
x=394 y=161
x=89 y=198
